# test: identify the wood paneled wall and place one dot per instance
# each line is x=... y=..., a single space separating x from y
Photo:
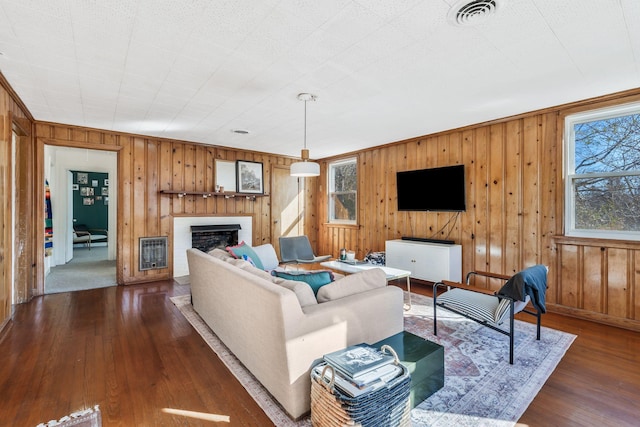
x=15 y=118
x=510 y=218
x=149 y=165
x=513 y=217
x=514 y=211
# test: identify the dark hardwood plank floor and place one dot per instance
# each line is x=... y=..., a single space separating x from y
x=129 y=350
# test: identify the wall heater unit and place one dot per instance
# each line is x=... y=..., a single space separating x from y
x=153 y=253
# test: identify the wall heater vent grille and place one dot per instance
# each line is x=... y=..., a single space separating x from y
x=153 y=253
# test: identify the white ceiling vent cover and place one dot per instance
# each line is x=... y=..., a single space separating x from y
x=153 y=253
x=472 y=12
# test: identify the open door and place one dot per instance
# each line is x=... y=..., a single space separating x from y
x=287 y=205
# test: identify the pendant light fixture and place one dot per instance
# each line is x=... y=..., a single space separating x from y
x=305 y=167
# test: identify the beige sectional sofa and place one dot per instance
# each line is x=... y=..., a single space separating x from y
x=276 y=327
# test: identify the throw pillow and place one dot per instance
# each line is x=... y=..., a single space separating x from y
x=244 y=249
x=353 y=284
x=267 y=255
x=316 y=278
x=302 y=290
x=249 y=260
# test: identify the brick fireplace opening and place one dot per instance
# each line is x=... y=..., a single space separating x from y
x=208 y=237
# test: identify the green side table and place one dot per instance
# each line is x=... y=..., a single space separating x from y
x=424 y=360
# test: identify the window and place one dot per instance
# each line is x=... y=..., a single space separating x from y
x=602 y=194
x=343 y=191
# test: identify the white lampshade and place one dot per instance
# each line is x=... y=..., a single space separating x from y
x=305 y=169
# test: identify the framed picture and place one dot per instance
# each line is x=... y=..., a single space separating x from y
x=105 y=191
x=226 y=175
x=249 y=177
x=74 y=187
x=82 y=178
x=87 y=201
x=106 y=182
x=106 y=200
x=94 y=182
x=86 y=191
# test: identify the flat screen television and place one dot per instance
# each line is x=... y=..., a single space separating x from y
x=435 y=189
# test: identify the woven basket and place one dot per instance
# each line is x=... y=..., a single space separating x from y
x=386 y=406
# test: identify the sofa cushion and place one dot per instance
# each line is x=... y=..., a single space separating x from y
x=314 y=278
x=243 y=249
x=353 y=284
x=246 y=266
x=220 y=254
x=303 y=292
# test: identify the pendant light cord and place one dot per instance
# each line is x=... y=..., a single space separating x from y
x=305 y=124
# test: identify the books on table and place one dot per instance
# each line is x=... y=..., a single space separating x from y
x=360 y=368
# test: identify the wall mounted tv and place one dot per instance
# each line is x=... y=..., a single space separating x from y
x=435 y=189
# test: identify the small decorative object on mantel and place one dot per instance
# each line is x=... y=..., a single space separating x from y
x=249 y=177
x=221 y=192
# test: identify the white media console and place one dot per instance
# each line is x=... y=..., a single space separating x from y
x=426 y=261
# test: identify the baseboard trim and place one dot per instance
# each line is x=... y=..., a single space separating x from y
x=631 y=324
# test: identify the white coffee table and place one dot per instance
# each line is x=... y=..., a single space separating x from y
x=392 y=273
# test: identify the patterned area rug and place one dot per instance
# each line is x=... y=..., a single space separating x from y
x=481 y=388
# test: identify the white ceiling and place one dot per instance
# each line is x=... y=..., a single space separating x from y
x=383 y=70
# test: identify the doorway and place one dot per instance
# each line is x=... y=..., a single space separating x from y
x=73 y=266
x=287 y=205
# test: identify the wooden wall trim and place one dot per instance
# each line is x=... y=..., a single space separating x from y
x=6 y=231
x=4 y=83
x=22 y=126
x=97 y=136
x=178 y=215
x=82 y=145
x=344 y=226
x=586 y=241
x=631 y=324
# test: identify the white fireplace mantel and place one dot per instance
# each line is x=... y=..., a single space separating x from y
x=182 y=235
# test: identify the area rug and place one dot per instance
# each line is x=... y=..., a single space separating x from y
x=481 y=388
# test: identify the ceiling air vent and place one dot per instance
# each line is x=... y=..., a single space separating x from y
x=472 y=12
x=153 y=253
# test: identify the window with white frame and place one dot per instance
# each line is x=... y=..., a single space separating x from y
x=343 y=191
x=602 y=173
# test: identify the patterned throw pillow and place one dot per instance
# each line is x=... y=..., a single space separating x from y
x=249 y=260
x=243 y=249
x=314 y=278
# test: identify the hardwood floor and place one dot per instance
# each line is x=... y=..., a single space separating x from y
x=129 y=350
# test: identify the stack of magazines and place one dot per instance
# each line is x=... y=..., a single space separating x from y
x=359 y=369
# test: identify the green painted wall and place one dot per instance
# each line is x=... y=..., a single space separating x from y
x=91 y=199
